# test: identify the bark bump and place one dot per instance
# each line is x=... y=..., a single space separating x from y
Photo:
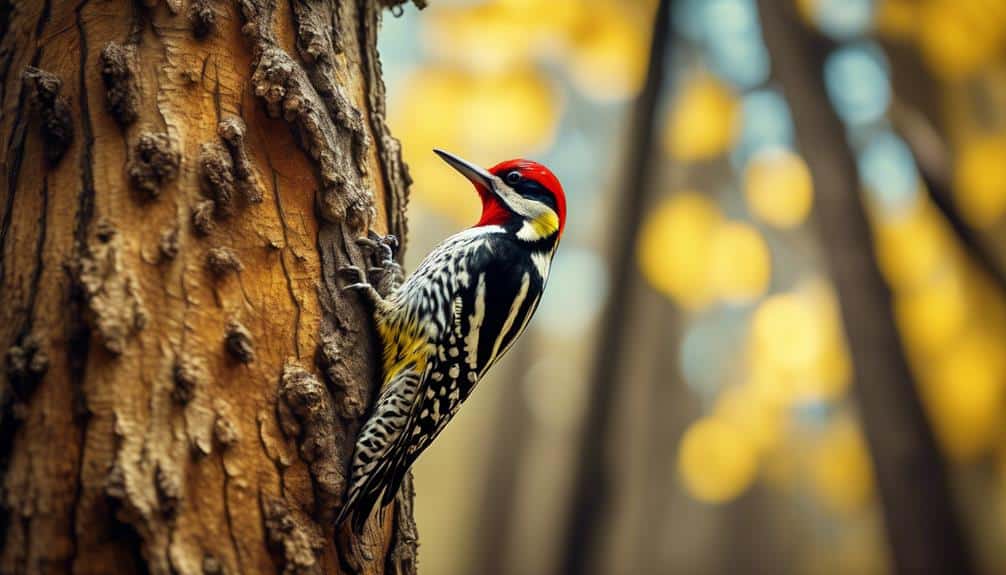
x=307 y=415
x=294 y=539
x=238 y=342
x=203 y=18
x=155 y=162
x=114 y=306
x=202 y=217
x=216 y=171
x=289 y=93
x=26 y=364
x=53 y=109
x=119 y=76
x=169 y=244
x=232 y=132
x=221 y=262
x=187 y=376
x=350 y=402
x=224 y=431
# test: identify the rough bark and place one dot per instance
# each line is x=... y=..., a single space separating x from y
x=919 y=513
x=183 y=378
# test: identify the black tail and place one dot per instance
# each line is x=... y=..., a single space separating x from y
x=361 y=501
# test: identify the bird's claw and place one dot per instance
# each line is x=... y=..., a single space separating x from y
x=360 y=284
x=381 y=248
x=353 y=273
x=384 y=272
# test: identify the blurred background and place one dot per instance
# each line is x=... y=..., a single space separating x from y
x=774 y=335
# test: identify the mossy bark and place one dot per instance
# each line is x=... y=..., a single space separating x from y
x=183 y=378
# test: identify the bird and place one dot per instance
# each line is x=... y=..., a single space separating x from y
x=445 y=326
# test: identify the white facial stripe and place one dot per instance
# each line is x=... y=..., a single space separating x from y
x=540 y=220
x=518 y=203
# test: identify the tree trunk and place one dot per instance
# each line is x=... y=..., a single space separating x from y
x=589 y=506
x=184 y=379
x=919 y=513
x=915 y=116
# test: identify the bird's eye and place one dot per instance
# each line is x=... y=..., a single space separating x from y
x=513 y=177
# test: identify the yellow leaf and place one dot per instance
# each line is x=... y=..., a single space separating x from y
x=958 y=37
x=897 y=18
x=932 y=315
x=609 y=52
x=673 y=248
x=483 y=117
x=964 y=394
x=748 y=411
x=741 y=265
x=716 y=462
x=492 y=36
x=787 y=328
x=911 y=248
x=841 y=470
x=703 y=122
x=778 y=188
x=980 y=180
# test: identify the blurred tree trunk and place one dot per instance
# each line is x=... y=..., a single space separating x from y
x=917 y=118
x=588 y=517
x=183 y=378
x=498 y=511
x=922 y=526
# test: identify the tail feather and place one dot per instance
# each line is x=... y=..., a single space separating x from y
x=365 y=492
x=395 y=476
x=379 y=461
x=364 y=509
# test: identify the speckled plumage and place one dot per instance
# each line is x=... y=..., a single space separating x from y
x=441 y=330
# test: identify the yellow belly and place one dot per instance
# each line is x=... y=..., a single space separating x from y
x=405 y=347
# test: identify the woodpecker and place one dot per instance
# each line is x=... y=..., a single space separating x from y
x=445 y=326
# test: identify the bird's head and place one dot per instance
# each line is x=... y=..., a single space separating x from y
x=523 y=196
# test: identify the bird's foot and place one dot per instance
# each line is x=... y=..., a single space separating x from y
x=383 y=271
x=360 y=284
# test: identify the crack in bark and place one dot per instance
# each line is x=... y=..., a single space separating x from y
x=283 y=266
x=227 y=515
x=15 y=156
x=85 y=210
x=78 y=335
x=394 y=171
x=16 y=146
x=26 y=362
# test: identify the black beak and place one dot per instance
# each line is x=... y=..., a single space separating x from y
x=478 y=175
